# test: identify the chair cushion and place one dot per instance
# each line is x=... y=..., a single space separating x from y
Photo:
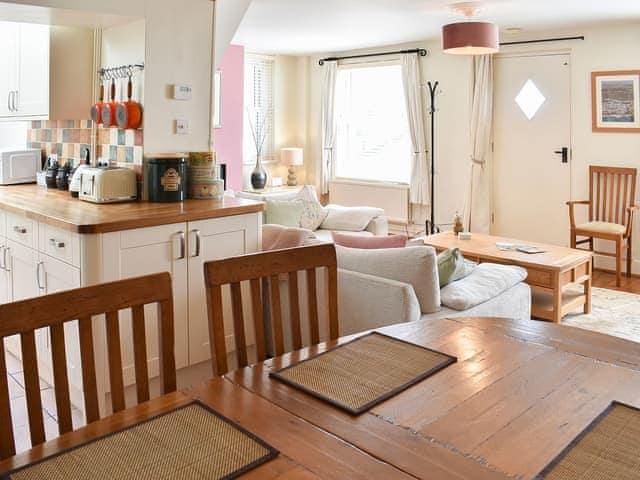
x=602 y=227
x=360 y=241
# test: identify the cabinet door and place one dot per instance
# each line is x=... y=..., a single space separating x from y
x=145 y=251
x=218 y=238
x=56 y=276
x=9 y=33
x=33 y=71
x=22 y=267
x=4 y=274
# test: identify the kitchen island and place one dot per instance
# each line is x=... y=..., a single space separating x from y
x=50 y=241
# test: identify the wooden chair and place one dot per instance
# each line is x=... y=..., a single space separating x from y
x=52 y=312
x=612 y=193
x=269 y=266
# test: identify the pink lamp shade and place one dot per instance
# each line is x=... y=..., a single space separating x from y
x=291 y=156
x=470 y=38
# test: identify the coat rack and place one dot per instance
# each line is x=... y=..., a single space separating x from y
x=430 y=224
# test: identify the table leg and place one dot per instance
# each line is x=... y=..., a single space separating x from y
x=587 y=287
x=557 y=299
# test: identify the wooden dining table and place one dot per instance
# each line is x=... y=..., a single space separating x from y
x=519 y=393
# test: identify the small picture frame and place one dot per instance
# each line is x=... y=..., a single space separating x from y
x=217 y=100
x=615 y=101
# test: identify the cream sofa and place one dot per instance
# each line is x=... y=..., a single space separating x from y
x=367 y=300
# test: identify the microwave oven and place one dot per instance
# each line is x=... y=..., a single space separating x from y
x=19 y=165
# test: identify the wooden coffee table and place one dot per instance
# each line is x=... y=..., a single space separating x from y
x=548 y=273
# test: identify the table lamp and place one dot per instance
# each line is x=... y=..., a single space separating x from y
x=293 y=158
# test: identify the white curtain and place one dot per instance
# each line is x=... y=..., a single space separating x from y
x=328 y=124
x=419 y=187
x=477 y=205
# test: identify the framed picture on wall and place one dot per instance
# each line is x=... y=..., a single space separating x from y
x=615 y=101
x=217 y=100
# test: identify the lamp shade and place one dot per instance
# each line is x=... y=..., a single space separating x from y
x=470 y=38
x=291 y=156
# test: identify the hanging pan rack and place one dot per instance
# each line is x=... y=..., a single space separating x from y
x=121 y=71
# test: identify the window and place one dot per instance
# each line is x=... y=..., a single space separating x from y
x=258 y=103
x=372 y=138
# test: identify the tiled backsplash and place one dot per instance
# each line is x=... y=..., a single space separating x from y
x=69 y=138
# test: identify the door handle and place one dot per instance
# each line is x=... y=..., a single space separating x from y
x=565 y=154
x=4 y=258
x=40 y=265
x=183 y=247
x=197 y=234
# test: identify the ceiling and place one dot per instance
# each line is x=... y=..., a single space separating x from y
x=21 y=12
x=302 y=27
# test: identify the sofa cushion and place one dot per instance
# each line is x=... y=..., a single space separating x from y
x=313 y=214
x=284 y=212
x=359 y=241
x=352 y=219
x=327 y=235
x=276 y=237
x=452 y=266
x=488 y=280
x=413 y=265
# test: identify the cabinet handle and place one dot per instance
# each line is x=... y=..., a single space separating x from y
x=9 y=101
x=3 y=265
x=4 y=258
x=16 y=101
x=56 y=243
x=18 y=229
x=197 y=234
x=183 y=248
x=40 y=265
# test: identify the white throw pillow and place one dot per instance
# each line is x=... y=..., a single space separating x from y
x=308 y=194
x=353 y=219
x=487 y=281
x=313 y=214
x=416 y=266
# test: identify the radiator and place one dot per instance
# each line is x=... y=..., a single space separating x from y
x=394 y=199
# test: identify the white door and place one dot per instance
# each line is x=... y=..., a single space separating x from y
x=9 y=33
x=211 y=240
x=21 y=268
x=33 y=83
x=532 y=115
x=146 y=251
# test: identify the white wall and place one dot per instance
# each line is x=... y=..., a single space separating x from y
x=13 y=134
x=229 y=14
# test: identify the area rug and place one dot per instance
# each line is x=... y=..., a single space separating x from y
x=612 y=312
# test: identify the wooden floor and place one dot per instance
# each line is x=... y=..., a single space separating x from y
x=604 y=279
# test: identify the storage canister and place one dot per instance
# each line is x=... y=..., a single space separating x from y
x=167 y=177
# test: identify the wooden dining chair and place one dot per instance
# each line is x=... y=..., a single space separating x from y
x=612 y=193
x=53 y=312
x=269 y=266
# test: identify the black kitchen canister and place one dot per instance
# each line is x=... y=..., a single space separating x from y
x=167 y=177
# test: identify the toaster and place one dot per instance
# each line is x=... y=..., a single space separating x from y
x=108 y=185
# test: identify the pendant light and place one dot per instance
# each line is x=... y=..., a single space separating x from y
x=469 y=38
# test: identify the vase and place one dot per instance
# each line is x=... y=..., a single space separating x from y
x=258 y=176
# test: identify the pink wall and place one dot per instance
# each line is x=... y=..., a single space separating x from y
x=227 y=141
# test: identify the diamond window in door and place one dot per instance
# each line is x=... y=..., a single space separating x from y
x=530 y=99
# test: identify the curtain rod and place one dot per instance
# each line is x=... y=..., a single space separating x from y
x=419 y=51
x=558 y=39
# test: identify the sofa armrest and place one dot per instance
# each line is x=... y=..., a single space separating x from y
x=379 y=226
x=368 y=301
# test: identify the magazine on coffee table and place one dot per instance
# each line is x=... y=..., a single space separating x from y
x=520 y=248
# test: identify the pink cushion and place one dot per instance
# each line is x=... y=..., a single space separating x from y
x=276 y=237
x=359 y=241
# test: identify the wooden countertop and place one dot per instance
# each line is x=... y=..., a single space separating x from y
x=61 y=210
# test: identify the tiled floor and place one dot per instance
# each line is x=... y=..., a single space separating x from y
x=19 y=406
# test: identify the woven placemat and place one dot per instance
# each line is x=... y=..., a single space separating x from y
x=361 y=373
x=192 y=442
x=609 y=448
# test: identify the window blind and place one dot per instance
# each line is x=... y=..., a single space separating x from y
x=258 y=103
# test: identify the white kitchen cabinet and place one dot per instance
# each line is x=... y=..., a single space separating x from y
x=211 y=240
x=24 y=70
x=4 y=273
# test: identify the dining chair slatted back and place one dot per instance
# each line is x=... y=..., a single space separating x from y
x=264 y=270
x=53 y=312
x=612 y=192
